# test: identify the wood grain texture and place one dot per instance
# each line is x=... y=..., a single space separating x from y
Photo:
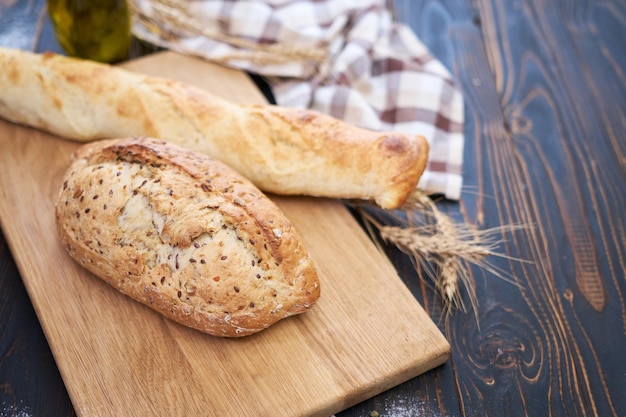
x=366 y=333
x=30 y=383
x=26 y=364
x=542 y=89
x=544 y=83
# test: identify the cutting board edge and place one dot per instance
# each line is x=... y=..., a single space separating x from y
x=21 y=268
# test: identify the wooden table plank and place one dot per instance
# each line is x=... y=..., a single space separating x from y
x=533 y=73
x=542 y=150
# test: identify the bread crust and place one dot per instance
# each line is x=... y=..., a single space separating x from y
x=281 y=150
x=185 y=235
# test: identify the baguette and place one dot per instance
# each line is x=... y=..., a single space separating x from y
x=184 y=235
x=281 y=150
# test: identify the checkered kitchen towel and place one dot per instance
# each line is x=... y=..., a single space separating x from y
x=345 y=58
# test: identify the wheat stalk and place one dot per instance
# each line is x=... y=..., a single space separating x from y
x=439 y=242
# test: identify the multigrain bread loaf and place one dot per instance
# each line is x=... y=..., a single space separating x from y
x=185 y=235
x=283 y=151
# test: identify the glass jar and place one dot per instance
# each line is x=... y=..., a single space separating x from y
x=98 y=30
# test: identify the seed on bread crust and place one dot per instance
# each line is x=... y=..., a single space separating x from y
x=226 y=259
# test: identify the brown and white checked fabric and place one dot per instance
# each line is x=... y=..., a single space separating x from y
x=348 y=59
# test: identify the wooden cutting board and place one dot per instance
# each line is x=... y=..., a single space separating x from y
x=117 y=357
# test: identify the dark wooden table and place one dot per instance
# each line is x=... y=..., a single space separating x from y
x=545 y=89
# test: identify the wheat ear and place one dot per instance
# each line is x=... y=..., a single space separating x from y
x=440 y=242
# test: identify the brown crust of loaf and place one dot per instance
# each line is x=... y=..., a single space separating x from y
x=281 y=150
x=185 y=235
